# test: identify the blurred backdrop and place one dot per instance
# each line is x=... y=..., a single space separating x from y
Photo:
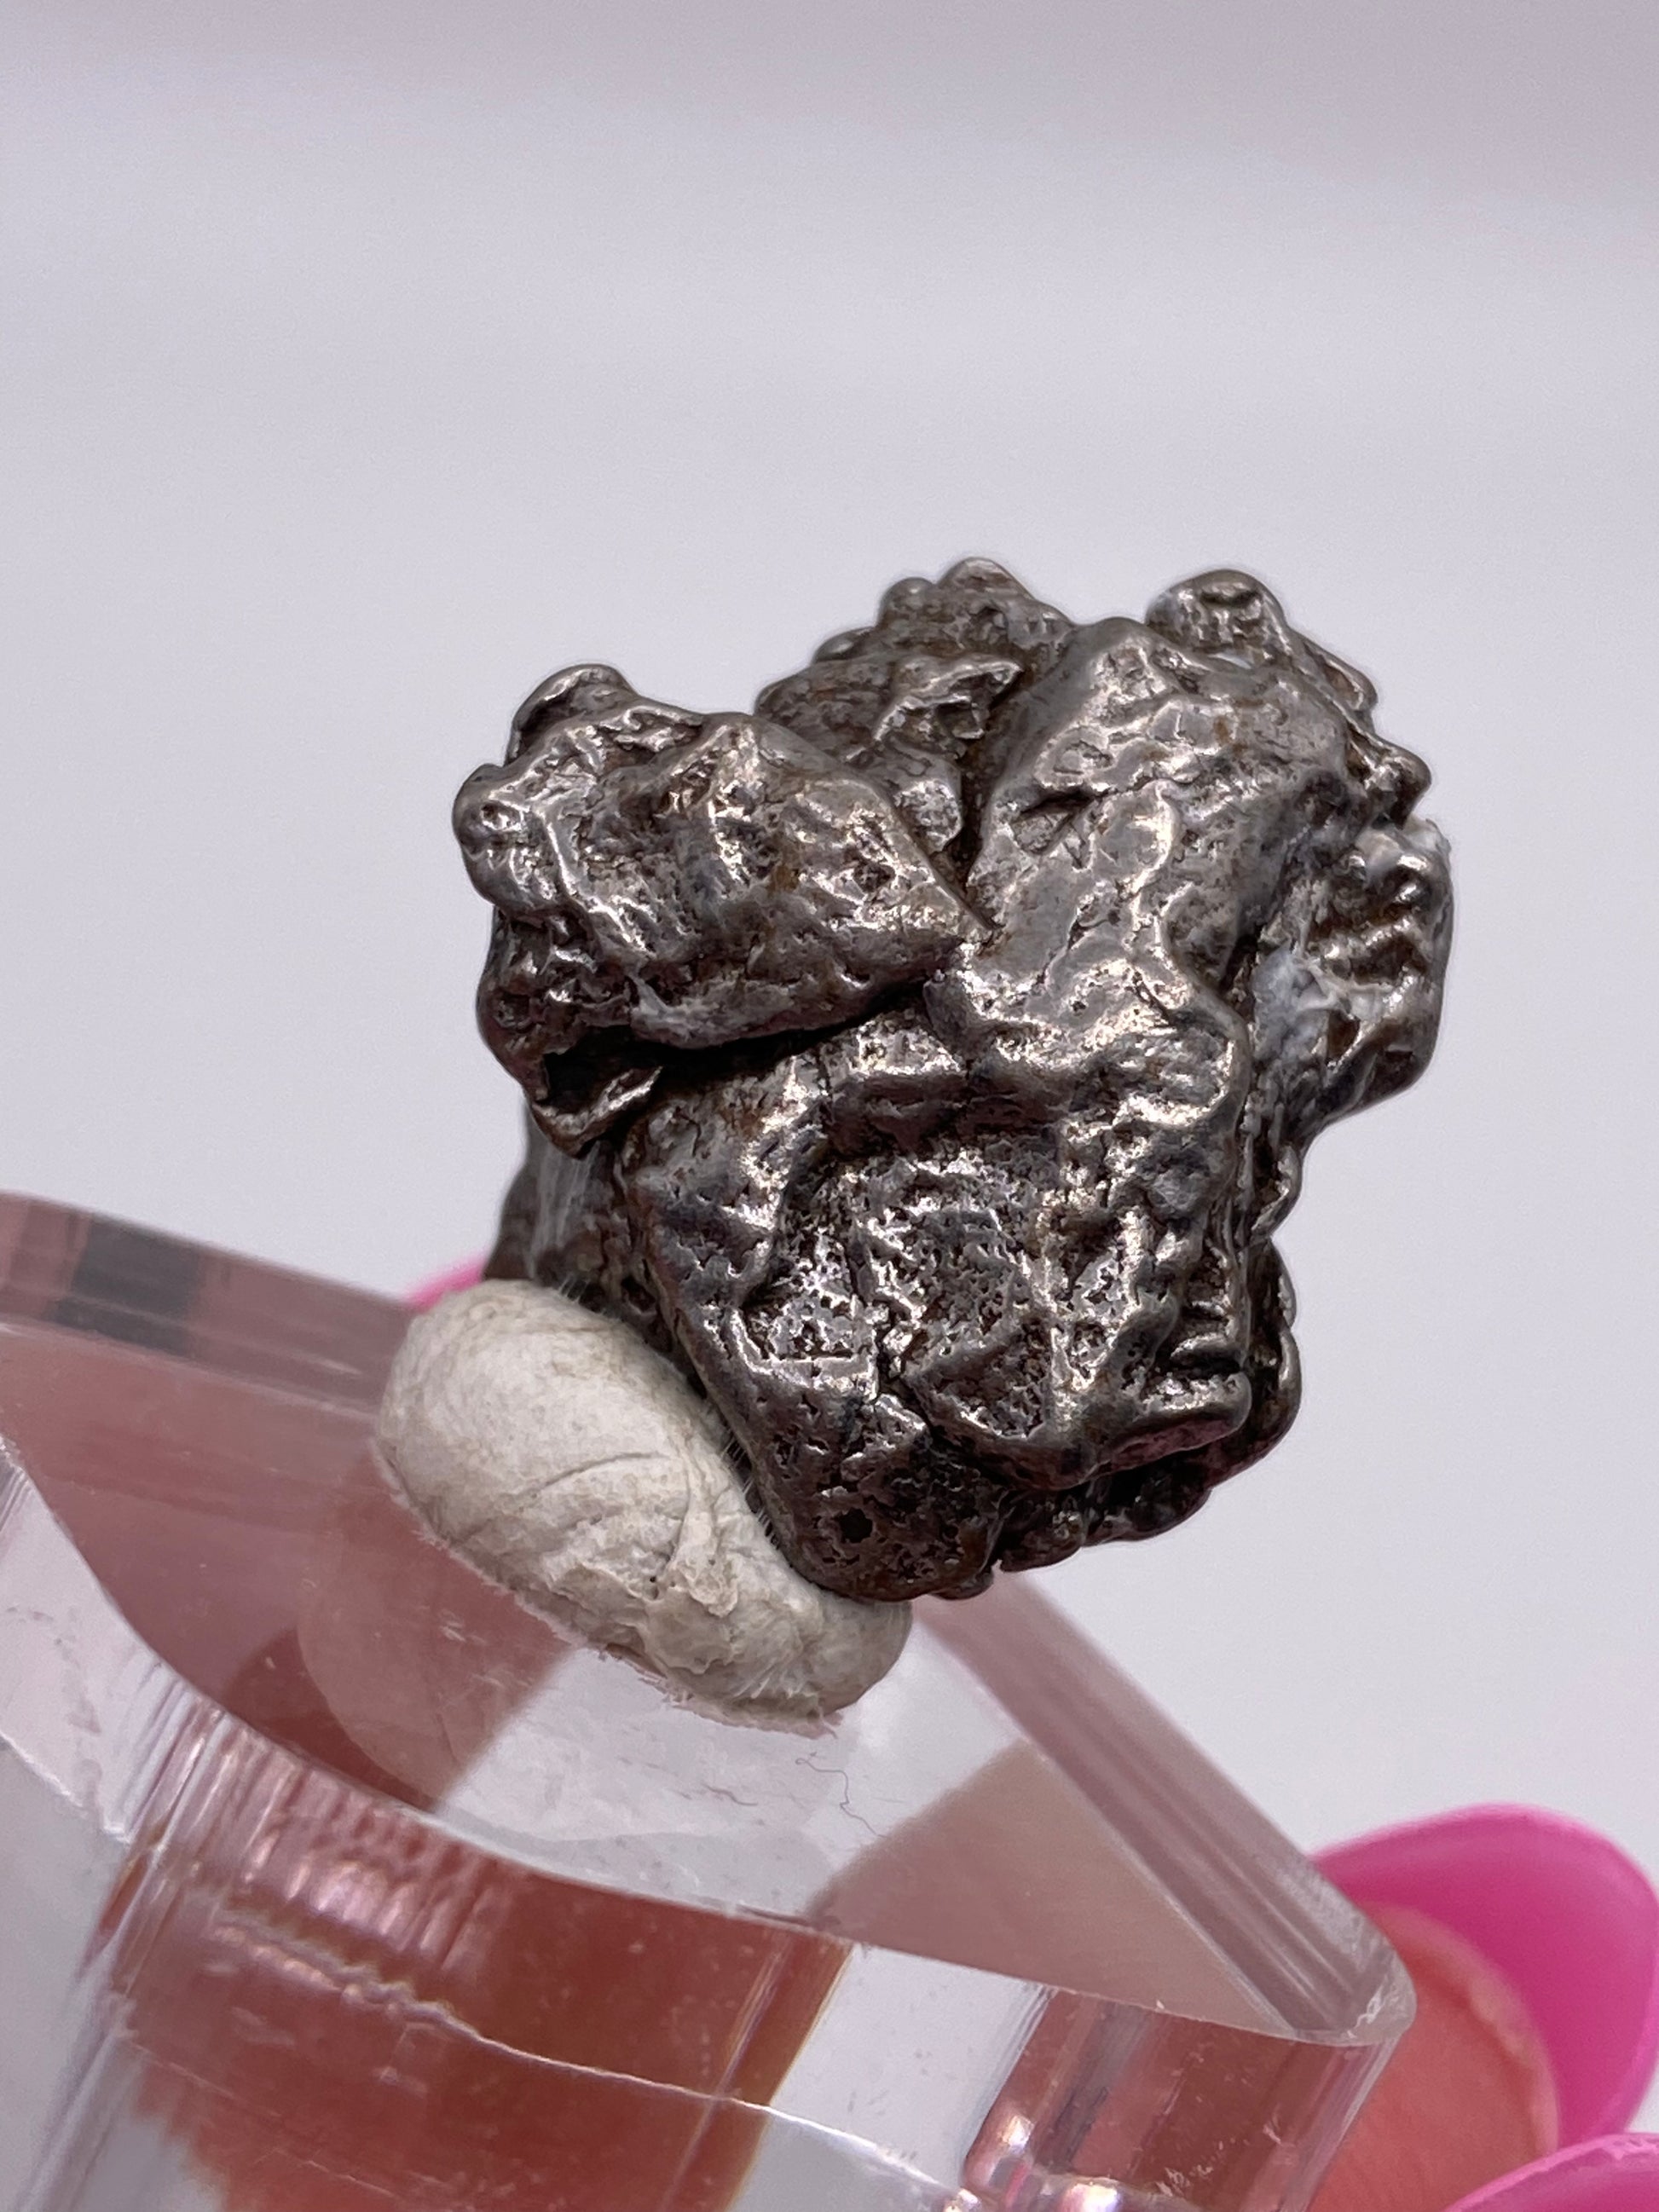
x=370 y=358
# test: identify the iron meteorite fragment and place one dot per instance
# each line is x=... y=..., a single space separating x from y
x=924 y=1061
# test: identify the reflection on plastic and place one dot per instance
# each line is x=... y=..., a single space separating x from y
x=340 y=1884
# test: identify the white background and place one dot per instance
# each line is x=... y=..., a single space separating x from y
x=368 y=361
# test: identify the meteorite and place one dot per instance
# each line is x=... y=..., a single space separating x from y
x=924 y=1061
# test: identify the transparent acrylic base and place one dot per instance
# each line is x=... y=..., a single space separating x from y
x=339 y=1883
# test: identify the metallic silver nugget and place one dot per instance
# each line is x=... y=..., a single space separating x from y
x=924 y=1061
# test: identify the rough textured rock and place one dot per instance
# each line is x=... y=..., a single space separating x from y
x=670 y=883
x=924 y=1062
x=565 y=1460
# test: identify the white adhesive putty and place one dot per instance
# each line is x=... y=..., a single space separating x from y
x=564 y=1459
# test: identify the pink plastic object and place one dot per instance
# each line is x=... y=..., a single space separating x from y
x=1620 y=2173
x=1571 y=1922
x=440 y=1286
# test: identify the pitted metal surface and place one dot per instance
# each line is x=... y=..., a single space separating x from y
x=924 y=1061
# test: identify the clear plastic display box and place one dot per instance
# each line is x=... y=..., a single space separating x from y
x=335 y=1881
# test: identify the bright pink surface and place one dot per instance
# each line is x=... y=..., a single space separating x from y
x=440 y=1286
x=1560 y=1911
x=1620 y=2173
